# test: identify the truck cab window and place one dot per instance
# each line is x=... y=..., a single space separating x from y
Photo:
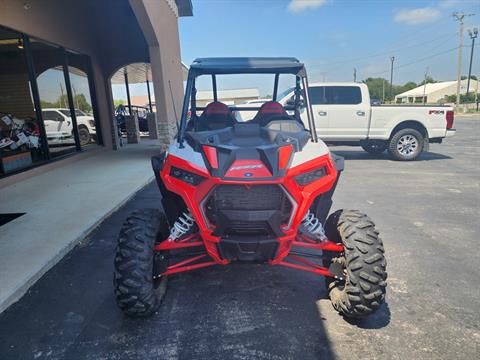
x=335 y=95
x=318 y=95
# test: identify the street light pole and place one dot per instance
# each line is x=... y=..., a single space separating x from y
x=392 y=59
x=354 y=74
x=473 y=35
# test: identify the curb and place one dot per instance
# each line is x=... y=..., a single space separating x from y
x=18 y=293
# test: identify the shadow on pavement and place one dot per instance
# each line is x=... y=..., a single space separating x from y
x=377 y=320
x=238 y=311
x=363 y=155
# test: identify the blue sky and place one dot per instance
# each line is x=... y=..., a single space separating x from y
x=334 y=36
x=331 y=37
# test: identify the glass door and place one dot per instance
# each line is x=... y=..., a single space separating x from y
x=60 y=125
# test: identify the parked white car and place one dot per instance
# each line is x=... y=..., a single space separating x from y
x=343 y=116
x=59 y=126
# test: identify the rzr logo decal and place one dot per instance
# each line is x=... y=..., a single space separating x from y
x=245 y=167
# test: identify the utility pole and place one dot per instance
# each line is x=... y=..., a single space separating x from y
x=392 y=59
x=354 y=74
x=61 y=96
x=323 y=73
x=75 y=97
x=425 y=85
x=473 y=35
x=476 y=94
x=460 y=16
x=383 y=92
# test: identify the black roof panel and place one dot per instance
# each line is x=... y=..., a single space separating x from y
x=247 y=65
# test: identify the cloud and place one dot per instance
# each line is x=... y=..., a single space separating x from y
x=417 y=16
x=449 y=3
x=297 y=6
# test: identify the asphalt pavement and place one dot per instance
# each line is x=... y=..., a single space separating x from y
x=427 y=213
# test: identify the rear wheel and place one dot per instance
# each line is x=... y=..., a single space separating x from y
x=362 y=290
x=374 y=146
x=84 y=135
x=406 y=144
x=137 y=293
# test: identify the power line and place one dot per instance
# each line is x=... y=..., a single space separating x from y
x=378 y=54
x=417 y=61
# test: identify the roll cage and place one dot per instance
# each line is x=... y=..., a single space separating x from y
x=231 y=66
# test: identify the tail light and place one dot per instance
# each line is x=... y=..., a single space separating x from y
x=449 y=119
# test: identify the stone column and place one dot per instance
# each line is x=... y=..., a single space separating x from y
x=159 y=22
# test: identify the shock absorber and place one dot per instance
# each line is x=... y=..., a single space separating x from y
x=182 y=226
x=313 y=227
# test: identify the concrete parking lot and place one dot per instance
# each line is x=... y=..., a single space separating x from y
x=428 y=214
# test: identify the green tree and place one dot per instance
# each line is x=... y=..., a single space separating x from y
x=472 y=77
x=428 y=80
x=398 y=89
x=80 y=102
x=470 y=98
x=376 y=86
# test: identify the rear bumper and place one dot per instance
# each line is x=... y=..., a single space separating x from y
x=450 y=132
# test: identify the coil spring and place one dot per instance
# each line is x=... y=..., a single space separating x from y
x=182 y=226
x=313 y=227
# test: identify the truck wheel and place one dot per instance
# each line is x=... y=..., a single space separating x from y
x=406 y=144
x=374 y=146
x=135 y=288
x=84 y=136
x=362 y=290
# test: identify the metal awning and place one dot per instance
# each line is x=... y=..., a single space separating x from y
x=139 y=73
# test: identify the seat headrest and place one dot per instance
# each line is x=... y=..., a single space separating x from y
x=271 y=107
x=216 y=108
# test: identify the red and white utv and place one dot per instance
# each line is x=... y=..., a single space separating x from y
x=256 y=191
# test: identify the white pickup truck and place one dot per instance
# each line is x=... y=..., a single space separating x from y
x=343 y=116
x=59 y=126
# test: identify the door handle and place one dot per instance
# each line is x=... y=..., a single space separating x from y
x=360 y=113
x=322 y=113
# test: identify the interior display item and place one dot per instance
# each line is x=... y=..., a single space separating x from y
x=5 y=142
x=15 y=132
x=16 y=162
x=22 y=139
x=7 y=120
x=34 y=141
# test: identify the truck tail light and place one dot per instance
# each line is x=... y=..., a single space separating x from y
x=449 y=119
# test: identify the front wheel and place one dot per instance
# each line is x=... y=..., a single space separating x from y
x=406 y=145
x=84 y=135
x=362 y=289
x=136 y=262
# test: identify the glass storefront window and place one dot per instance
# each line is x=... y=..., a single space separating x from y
x=82 y=100
x=21 y=143
x=46 y=108
x=59 y=127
